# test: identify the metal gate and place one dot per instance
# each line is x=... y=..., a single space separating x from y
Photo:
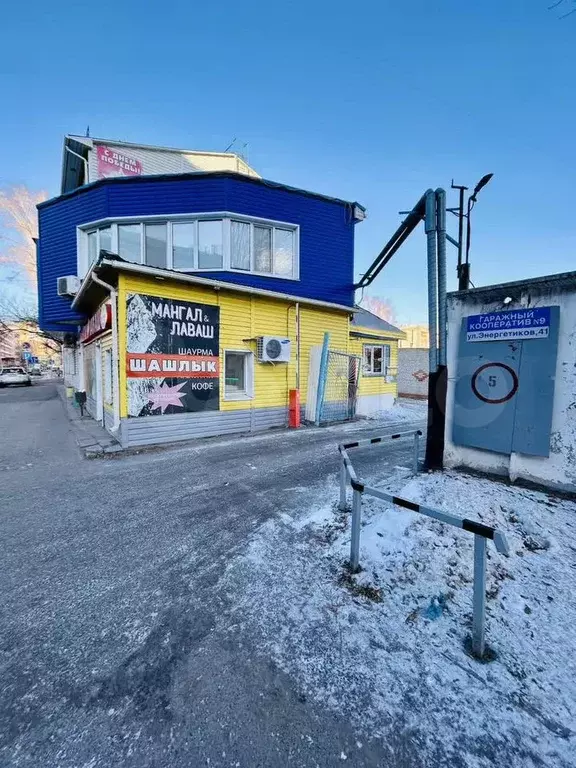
x=341 y=388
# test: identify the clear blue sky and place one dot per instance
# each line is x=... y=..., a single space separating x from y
x=374 y=101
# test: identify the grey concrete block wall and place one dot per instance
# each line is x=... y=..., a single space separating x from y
x=413 y=373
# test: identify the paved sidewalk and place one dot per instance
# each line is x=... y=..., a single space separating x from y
x=91 y=437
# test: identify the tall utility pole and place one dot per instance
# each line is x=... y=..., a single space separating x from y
x=462 y=271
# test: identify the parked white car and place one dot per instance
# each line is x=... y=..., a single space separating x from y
x=14 y=376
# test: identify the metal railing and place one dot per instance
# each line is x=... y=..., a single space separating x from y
x=481 y=532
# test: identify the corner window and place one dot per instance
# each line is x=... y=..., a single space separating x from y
x=210 y=244
x=130 y=242
x=238 y=375
x=376 y=360
x=219 y=242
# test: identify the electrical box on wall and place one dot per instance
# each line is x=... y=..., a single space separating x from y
x=504 y=392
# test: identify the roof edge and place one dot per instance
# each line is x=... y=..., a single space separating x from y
x=543 y=280
x=167 y=274
x=195 y=175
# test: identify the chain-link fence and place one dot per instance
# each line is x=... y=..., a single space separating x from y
x=341 y=389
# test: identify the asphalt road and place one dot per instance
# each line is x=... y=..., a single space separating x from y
x=116 y=646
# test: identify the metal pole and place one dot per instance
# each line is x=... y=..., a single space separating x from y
x=441 y=237
x=355 y=538
x=322 y=378
x=430 y=224
x=479 y=596
x=416 y=451
x=460 y=244
x=343 y=478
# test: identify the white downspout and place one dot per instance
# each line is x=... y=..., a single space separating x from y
x=115 y=352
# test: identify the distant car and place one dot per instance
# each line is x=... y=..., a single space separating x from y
x=35 y=370
x=14 y=376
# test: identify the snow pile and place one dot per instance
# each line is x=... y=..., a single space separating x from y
x=403 y=410
x=386 y=647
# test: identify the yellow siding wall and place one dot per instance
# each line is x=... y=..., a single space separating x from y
x=244 y=317
x=375 y=385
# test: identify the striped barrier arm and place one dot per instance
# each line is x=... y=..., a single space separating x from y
x=481 y=532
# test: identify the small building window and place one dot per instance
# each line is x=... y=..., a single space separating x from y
x=183 y=244
x=92 y=246
x=376 y=359
x=238 y=375
x=239 y=245
x=262 y=249
x=155 y=240
x=284 y=252
x=130 y=242
x=105 y=239
x=210 y=245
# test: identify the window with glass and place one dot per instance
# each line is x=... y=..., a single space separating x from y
x=240 y=245
x=237 y=375
x=155 y=244
x=210 y=244
x=92 y=238
x=376 y=359
x=130 y=242
x=183 y=245
x=231 y=244
x=105 y=235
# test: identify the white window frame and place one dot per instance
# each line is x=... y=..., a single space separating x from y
x=225 y=216
x=248 y=393
x=369 y=370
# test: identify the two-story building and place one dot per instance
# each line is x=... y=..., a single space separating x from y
x=192 y=302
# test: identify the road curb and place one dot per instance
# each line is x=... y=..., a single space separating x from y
x=91 y=438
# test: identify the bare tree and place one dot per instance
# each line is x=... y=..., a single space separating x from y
x=19 y=223
x=379 y=306
x=18 y=229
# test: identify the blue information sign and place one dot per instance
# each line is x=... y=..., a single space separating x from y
x=511 y=324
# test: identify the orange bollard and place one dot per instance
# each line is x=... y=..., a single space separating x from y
x=294 y=409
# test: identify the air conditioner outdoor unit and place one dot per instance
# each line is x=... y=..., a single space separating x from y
x=273 y=349
x=68 y=286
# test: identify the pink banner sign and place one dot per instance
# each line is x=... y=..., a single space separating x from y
x=111 y=162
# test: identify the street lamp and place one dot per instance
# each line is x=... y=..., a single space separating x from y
x=464 y=275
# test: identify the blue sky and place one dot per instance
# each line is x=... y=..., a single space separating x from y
x=375 y=102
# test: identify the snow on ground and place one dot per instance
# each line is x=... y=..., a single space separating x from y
x=397 y=667
x=403 y=412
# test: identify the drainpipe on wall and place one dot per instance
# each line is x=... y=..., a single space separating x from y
x=115 y=353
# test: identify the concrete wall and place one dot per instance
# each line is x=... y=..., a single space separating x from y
x=413 y=373
x=559 y=469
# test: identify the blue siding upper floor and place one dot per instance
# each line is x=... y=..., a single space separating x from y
x=326 y=231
